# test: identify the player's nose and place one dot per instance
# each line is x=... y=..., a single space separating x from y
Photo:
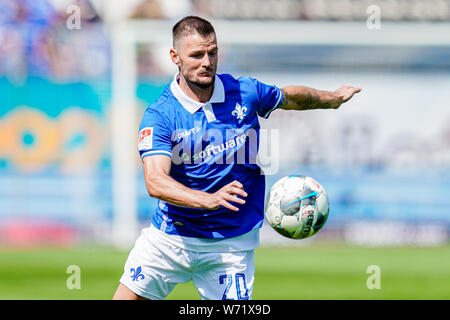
x=207 y=62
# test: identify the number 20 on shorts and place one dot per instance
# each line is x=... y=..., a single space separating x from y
x=239 y=282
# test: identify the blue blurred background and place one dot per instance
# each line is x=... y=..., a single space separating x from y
x=384 y=158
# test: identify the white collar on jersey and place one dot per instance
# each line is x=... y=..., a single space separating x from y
x=218 y=95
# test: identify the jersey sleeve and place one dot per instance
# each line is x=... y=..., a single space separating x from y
x=269 y=98
x=155 y=136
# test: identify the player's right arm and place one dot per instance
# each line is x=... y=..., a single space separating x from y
x=161 y=186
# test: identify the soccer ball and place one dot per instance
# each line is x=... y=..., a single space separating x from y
x=297 y=207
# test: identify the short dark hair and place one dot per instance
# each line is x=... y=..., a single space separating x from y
x=190 y=25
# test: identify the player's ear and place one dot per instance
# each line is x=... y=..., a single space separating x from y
x=174 y=56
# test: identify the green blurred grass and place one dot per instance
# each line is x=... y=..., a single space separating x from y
x=314 y=272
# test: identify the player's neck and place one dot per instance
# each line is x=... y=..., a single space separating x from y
x=195 y=92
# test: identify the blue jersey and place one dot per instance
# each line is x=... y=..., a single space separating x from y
x=211 y=144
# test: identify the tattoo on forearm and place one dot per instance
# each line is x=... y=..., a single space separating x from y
x=313 y=100
x=285 y=101
x=309 y=99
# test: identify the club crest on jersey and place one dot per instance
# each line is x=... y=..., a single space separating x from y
x=145 y=138
x=239 y=112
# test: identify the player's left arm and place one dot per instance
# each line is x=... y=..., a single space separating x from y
x=304 y=98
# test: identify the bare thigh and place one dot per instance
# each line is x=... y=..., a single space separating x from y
x=123 y=293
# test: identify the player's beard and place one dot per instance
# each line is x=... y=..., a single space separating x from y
x=200 y=84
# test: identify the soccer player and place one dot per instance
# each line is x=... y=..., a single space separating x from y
x=196 y=145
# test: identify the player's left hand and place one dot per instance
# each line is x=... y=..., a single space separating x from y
x=345 y=93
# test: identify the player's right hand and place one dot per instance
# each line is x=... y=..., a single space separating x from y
x=227 y=194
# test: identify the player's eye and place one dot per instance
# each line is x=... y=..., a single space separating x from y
x=197 y=55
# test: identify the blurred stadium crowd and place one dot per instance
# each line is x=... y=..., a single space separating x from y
x=35 y=41
x=393 y=10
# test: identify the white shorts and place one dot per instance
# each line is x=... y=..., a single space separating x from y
x=154 y=267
